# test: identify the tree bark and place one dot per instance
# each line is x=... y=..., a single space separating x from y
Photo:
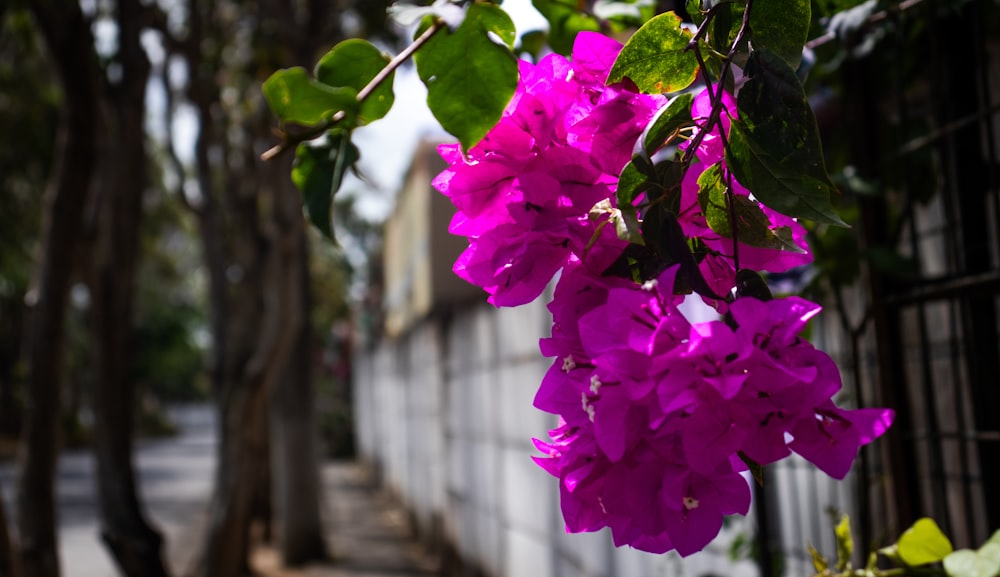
x=7 y=559
x=297 y=493
x=132 y=541
x=244 y=400
x=71 y=47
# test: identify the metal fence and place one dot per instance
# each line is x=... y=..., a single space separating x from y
x=919 y=330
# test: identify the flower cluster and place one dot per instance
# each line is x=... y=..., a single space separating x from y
x=524 y=192
x=659 y=414
x=659 y=417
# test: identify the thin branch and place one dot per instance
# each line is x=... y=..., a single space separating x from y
x=872 y=20
x=714 y=116
x=292 y=140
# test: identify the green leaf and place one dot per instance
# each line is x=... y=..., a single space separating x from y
x=565 y=22
x=318 y=172
x=295 y=97
x=820 y=564
x=676 y=115
x=533 y=43
x=655 y=57
x=469 y=77
x=749 y=283
x=969 y=563
x=752 y=225
x=991 y=552
x=354 y=63
x=726 y=25
x=695 y=10
x=775 y=149
x=845 y=543
x=781 y=27
x=630 y=184
x=625 y=14
x=995 y=538
x=923 y=543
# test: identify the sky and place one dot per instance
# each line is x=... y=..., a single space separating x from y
x=387 y=145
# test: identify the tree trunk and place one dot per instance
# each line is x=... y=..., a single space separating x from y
x=7 y=560
x=264 y=316
x=71 y=47
x=297 y=492
x=132 y=542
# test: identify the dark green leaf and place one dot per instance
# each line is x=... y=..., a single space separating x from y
x=354 y=63
x=752 y=225
x=749 y=283
x=565 y=22
x=318 y=172
x=655 y=57
x=695 y=10
x=469 y=77
x=781 y=27
x=923 y=543
x=630 y=184
x=676 y=115
x=775 y=149
x=726 y=26
x=533 y=43
x=669 y=175
x=295 y=97
x=845 y=543
x=674 y=245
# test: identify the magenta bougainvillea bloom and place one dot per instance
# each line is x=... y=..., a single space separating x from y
x=658 y=414
x=659 y=417
x=524 y=192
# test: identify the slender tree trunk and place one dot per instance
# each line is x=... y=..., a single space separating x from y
x=134 y=544
x=7 y=559
x=297 y=492
x=71 y=47
x=263 y=318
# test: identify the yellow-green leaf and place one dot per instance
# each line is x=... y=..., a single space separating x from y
x=655 y=59
x=923 y=543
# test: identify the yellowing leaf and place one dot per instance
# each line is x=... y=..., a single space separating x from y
x=923 y=543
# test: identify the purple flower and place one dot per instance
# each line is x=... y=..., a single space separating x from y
x=657 y=412
x=523 y=194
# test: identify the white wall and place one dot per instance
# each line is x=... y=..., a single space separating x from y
x=445 y=412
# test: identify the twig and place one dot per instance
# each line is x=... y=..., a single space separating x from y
x=714 y=117
x=291 y=140
x=873 y=19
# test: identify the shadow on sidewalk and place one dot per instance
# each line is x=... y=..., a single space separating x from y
x=367 y=533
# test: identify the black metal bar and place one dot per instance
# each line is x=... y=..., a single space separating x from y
x=946 y=288
x=980 y=313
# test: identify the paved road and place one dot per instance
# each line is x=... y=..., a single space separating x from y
x=175 y=478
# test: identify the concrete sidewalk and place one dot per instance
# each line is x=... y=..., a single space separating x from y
x=367 y=533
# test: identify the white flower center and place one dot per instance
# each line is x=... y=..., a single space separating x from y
x=568 y=364
x=690 y=503
x=587 y=407
x=595 y=384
